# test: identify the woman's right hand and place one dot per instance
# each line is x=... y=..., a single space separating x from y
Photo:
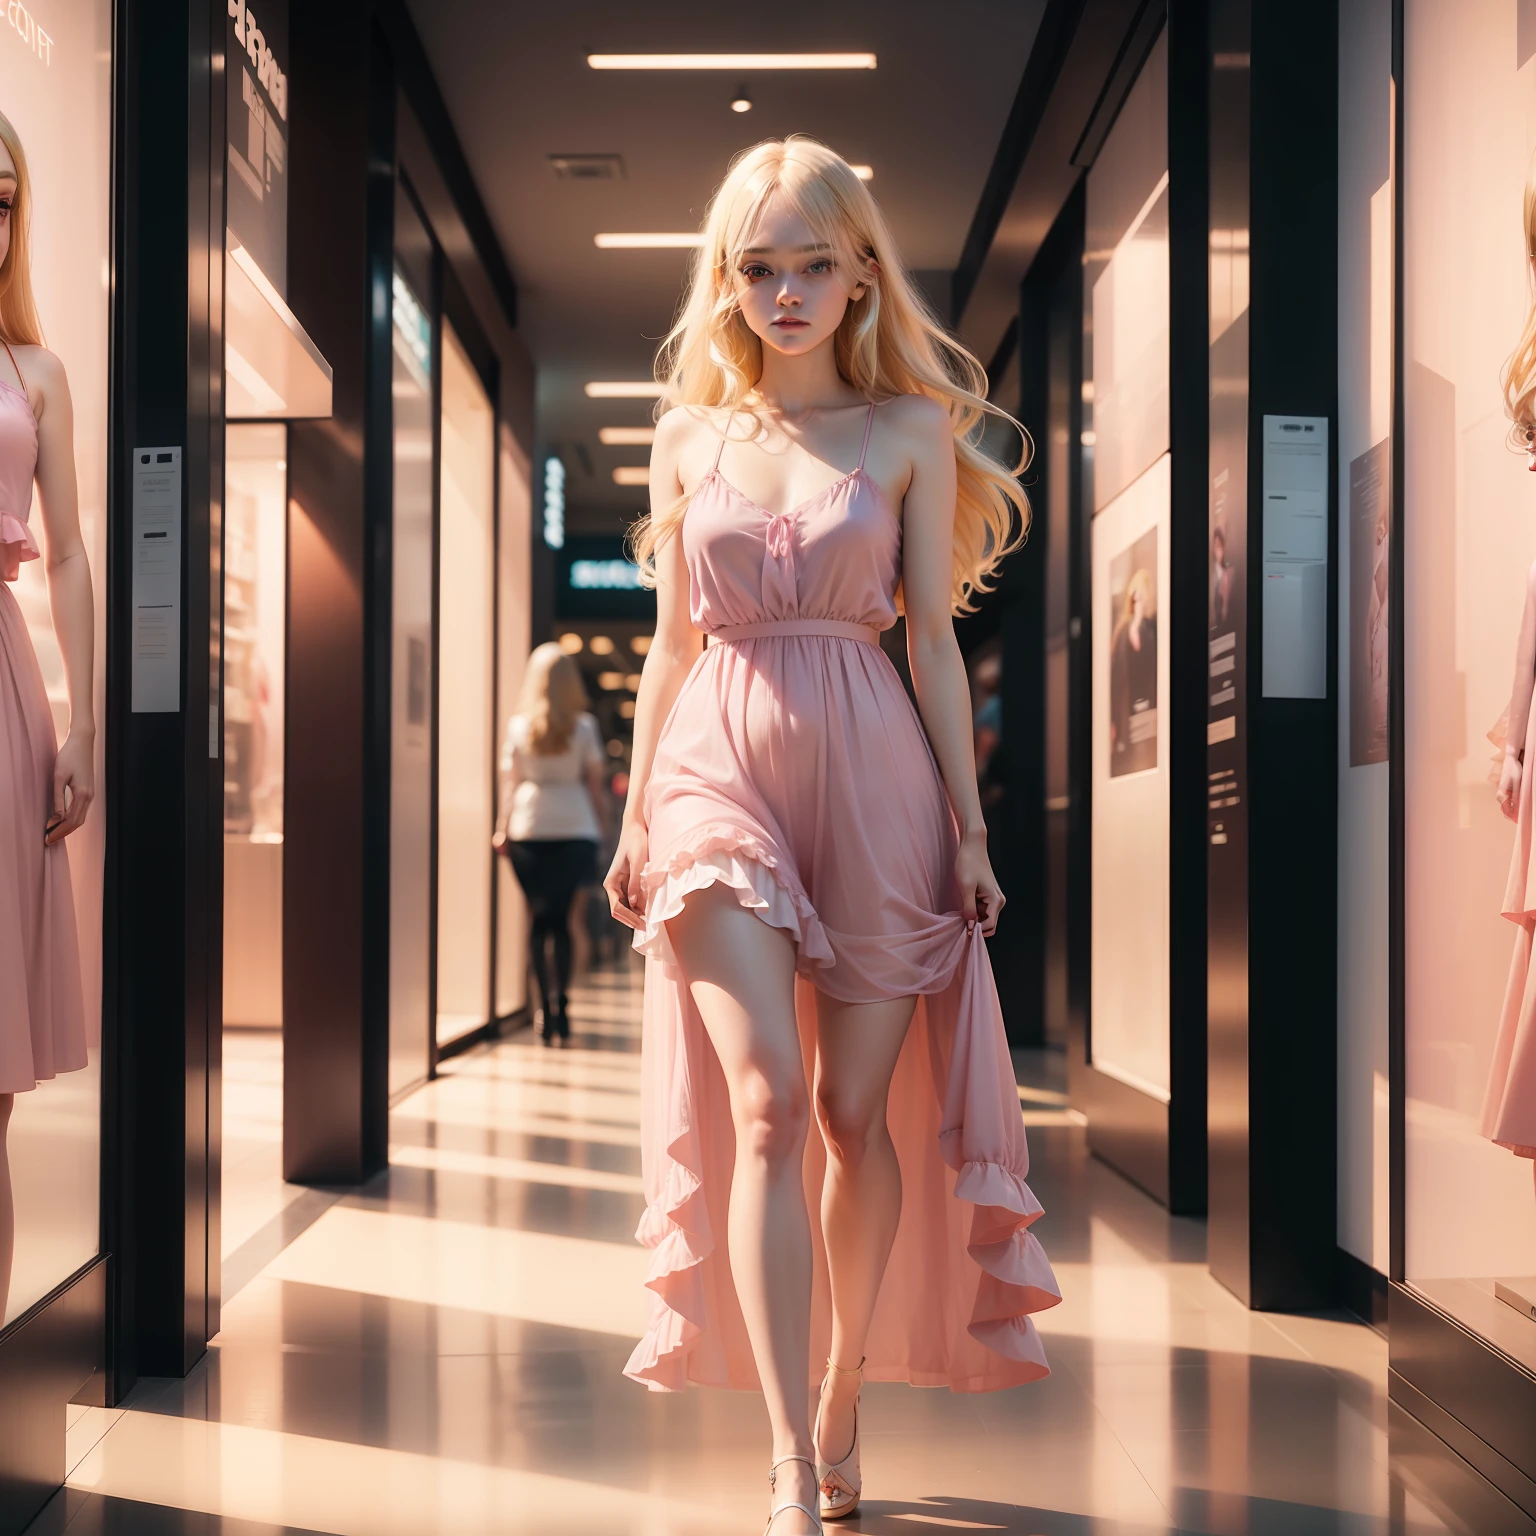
x=1509 y=786
x=626 y=899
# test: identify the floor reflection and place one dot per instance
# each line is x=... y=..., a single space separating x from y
x=441 y=1352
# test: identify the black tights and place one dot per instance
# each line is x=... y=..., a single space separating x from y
x=550 y=874
x=551 y=930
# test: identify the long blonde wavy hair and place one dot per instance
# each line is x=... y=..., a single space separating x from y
x=889 y=344
x=552 y=697
x=19 y=323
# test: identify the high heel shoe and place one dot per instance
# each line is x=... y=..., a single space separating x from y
x=839 y=1483
x=785 y=1508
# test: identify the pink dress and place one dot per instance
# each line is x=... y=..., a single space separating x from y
x=1509 y=1102
x=42 y=1012
x=794 y=770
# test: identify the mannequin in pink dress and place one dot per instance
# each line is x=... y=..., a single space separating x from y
x=45 y=790
x=803 y=855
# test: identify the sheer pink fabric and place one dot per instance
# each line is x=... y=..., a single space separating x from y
x=42 y=1013
x=794 y=770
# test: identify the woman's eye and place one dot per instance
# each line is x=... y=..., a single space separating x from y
x=821 y=266
x=754 y=272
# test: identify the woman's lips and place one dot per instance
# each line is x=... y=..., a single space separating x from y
x=788 y=325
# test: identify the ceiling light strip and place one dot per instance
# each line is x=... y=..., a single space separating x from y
x=733 y=61
x=647 y=242
x=624 y=389
x=626 y=437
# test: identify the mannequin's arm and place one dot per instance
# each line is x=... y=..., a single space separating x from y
x=1525 y=673
x=1519 y=705
x=69 y=592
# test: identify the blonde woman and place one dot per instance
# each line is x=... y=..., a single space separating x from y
x=552 y=809
x=803 y=855
x=45 y=789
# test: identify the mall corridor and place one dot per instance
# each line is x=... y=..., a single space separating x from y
x=440 y=1352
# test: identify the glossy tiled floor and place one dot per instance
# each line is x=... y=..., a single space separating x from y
x=440 y=1353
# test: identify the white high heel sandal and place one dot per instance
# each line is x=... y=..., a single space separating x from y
x=839 y=1484
x=782 y=1508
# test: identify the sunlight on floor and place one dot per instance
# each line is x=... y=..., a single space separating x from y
x=441 y=1352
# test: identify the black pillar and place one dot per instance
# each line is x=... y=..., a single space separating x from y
x=336 y=804
x=1272 y=760
x=165 y=770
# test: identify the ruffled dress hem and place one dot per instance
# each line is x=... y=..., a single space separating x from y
x=1013 y=1275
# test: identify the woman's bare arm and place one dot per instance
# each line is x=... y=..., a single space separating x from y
x=938 y=670
x=69 y=590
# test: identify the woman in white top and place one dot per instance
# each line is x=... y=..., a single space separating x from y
x=552 y=804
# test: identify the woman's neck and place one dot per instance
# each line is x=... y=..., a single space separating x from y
x=793 y=385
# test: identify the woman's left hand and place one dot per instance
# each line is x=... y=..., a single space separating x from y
x=74 y=770
x=981 y=898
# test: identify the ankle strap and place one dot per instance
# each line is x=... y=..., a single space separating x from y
x=846 y=1370
x=785 y=1459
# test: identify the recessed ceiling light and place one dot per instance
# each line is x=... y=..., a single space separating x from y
x=863 y=172
x=571 y=644
x=625 y=389
x=647 y=242
x=632 y=474
x=741 y=102
x=602 y=645
x=627 y=437
x=745 y=63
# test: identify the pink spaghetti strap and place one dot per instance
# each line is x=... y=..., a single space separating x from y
x=723 y=436
x=14 y=364
x=869 y=422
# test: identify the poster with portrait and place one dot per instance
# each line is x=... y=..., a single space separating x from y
x=1133 y=657
x=1370 y=549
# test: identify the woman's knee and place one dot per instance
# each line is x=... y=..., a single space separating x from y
x=773 y=1114
x=850 y=1121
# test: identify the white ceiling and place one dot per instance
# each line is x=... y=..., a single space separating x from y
x=519 y=89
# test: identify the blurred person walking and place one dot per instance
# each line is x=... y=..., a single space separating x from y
x=552 y=813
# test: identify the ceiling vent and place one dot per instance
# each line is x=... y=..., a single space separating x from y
x=588 y=167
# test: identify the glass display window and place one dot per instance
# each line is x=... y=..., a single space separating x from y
x=412 y=706
x=255 y=623
x=1469 y=531
x=465 y=703
x=57 y=94
x=1126 y=480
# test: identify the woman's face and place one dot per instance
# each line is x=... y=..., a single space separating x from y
x=7 y=198
x=1138 y=603
x=789 y=288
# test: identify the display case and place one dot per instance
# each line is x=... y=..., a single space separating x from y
x=58 y=98
x=1463 y=1309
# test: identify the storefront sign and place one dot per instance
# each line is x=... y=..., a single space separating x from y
x=554 y=503
x=23 y=23
x=156 y=580
x=257 y=51
x=605 y=575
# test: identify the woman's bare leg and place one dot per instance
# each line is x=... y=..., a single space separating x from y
x=7 y=1204
x=741 y=974
x=856 y=1051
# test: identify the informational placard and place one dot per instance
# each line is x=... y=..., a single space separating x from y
x=156 y=581
x=1295 y=571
